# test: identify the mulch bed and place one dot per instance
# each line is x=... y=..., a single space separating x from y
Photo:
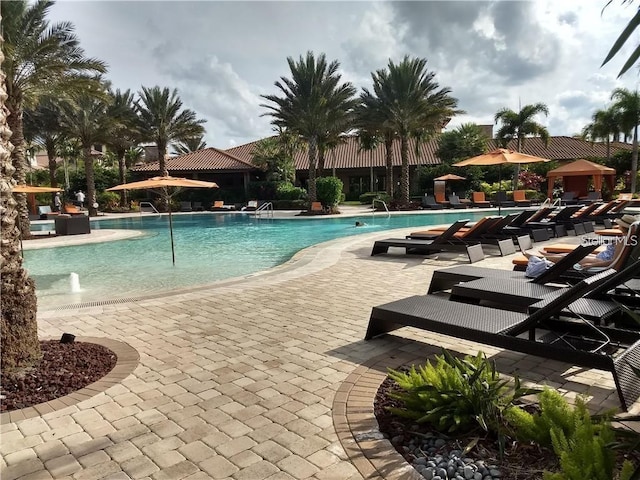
x=519 y=462
x=63 y=369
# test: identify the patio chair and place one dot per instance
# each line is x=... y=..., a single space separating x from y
x=454 y=202
x=251 y=206
x=44 y=212
x=569 y=198
x=429 y=202
x=478 y=200
x=219 y=205
x=197 y=206
x=185 y=207
x=442 y=243
x=520 y=199
x=502 y=200
x=441 y=200
x=502 y=329
x=592 y=197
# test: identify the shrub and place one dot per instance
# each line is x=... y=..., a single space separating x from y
x=286 y=191
x=329 y=190
x=367 y=198
x=262 y=190
x=455 y=394
x=108 y=201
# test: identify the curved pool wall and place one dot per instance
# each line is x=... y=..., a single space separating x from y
x=208 y=248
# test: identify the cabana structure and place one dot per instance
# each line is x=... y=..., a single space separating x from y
x=575 y=177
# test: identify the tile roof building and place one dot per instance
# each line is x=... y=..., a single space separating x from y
x=233 y=167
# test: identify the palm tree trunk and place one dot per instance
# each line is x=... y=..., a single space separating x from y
x=388 y=146
x=313 y=151
x=53 y=166
x=122 y=171
x=320 y=161
x=404 y=174
x=91 y=181
x=19 y=345
x=634 y=160
x=14 y=122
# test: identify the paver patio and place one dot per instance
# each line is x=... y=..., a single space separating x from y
x=242 y=380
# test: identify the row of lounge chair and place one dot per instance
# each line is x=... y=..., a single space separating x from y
x=218 y=205
x=580 y=322
x=478 y=199
x=501 y=231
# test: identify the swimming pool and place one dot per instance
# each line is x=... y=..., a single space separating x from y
x=208 y=247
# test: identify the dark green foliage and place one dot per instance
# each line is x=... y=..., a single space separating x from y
x=466 y=141
x=286 y=191
x=104 y=178
x=457 y=394
x=289 y=204
x=329 y=190
x=584 y=450
x=108 y=201
x=265 y=190
x=367 y=198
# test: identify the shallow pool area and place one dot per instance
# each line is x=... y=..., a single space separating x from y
x=208 y=248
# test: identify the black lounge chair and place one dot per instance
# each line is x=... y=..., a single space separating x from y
x=429 y=201
x=566 y=341
x=442 y=243
x=502 y=200
x=454 y=202
x=569 y=198
x=445 y=279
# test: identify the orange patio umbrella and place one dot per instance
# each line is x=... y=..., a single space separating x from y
x=34 y=189
x=164 y=184
x=450 y=176
x=499 y=157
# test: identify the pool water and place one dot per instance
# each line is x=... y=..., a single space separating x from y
x=208 y=247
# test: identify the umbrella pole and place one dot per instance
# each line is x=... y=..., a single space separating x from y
x=499 y=189
x=173 y=253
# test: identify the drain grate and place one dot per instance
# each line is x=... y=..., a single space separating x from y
x=98 y=303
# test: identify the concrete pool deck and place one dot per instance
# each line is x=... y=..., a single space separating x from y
x=265 y=377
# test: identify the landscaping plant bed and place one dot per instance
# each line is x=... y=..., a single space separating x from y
x=519 y=462
x=63 y=369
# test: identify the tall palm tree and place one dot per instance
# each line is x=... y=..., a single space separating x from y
x=414 y=106
x=42 y=127
x=124 y=133
x=163 y=120
x=371 y=119
x=520 y=125
x=38 y=58
x=627 y=103
x=605 y=124
x=86 y=119
x=312 y=102
x=19 y=346
x=189 y=145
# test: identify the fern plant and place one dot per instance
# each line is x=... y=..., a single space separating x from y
x=455 y=394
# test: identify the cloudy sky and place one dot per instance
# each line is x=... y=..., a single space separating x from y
x=221 y=56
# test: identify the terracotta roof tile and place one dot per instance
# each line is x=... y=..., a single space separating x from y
x=349 y=155
x=205 y=159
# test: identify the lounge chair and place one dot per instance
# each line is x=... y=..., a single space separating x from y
x=502 y=329
x=251 y=206
x=569 y=198
x=197 y=206
x=219 y=206
x=520 y=199
x=442 y=243
x=454 y=202
x=592 y=197
x=502 y=200
x=441 y=200
x=478 y=200
x=444 y=279
x=185 y=207
x=429 y=202
x=44 y=212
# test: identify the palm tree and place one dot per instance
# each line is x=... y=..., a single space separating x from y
x=124 y=133
x=622 y=39
x=369 y=142
x=627 y=103
x=19 y=345
x=313 y=102
x=605 y=124
x=519 y=125
x=370 y=119
x=414 y=106
x=189 y=145
x=39 y=58
x=163 y=120
x=86 y=119
x=42 y=127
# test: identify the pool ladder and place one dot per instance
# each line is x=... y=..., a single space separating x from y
x=147 y=207
x=266 y=208
x=373 y=205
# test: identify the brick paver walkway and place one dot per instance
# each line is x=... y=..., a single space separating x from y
x=238 y=380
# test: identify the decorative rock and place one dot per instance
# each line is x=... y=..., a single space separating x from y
x=468 y=472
